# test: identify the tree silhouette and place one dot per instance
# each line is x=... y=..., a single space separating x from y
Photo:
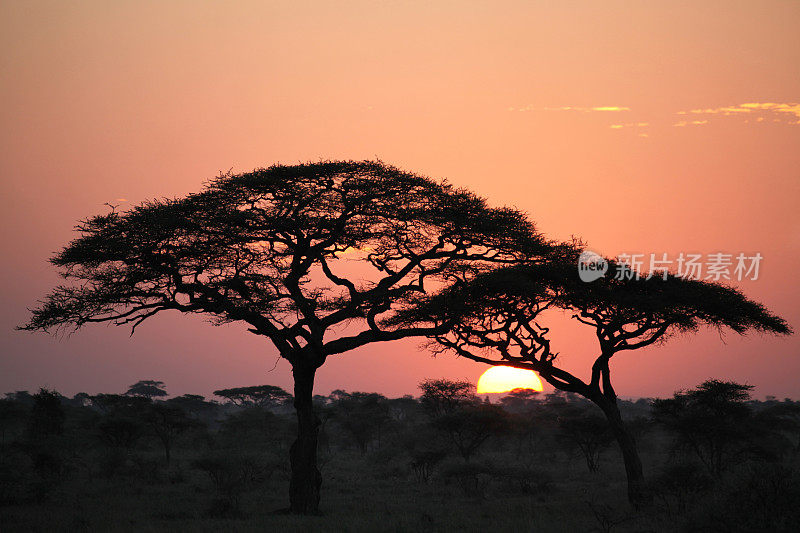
x=443 y=396
x=361 y=414
x=167 y=422
x=312 y=257
x=47 y=415
x=588 y=432
x=787 y=418
x=497 y=318
x=22 y=396
x=148 y=388
x=520 y=400
x=260 y=395
x=122 y=423
x=470 y=426
x=715 y=423
x=13 y=415
x=194 y=405
x=458 y=413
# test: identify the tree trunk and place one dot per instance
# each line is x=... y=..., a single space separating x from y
x=633 y=464
x=306 y=480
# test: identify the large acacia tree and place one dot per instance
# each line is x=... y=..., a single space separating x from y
x=312 y=257
x=500 y=317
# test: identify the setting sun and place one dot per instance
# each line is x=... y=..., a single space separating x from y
x=507 y=378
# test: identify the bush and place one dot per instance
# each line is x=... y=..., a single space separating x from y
x=676 y=484
x=387 y=462
x=231 y=475
x=758 y=497
x=472 y=478
x=423 y=463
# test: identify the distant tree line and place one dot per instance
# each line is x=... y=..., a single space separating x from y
x=449 y=434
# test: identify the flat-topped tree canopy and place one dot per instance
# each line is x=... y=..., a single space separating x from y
x=260 y=395
x=500 y=312
x=277 y=248
x=645 y=303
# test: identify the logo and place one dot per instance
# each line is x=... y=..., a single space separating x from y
x=591 y=266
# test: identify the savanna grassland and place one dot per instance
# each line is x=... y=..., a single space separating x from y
x=447 y=461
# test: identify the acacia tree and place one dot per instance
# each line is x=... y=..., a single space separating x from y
x=458 y=413
x=260 y=395
x=310 y=256
x=497 y=318
x=194 y=405
x=121 y=423
x=148 y=388
x=588 y=432
x=716 y=423
x=444 y=396
x=167 y=422
x=361 y=414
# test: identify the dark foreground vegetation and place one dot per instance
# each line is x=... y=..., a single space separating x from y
x=714 y=460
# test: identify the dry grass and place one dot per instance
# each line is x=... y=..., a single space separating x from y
x=359 y=494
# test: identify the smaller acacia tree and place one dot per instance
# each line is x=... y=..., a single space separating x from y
x=786 y=416
x=588 y=432
x=194 y=405
x=47 y=415
x=497 y=319
x=362 y=415
x=148 y=388
x=715 y=423
x=469 y=427
x=120 y=425
x=443 y=396
x=257 y=395
x=167 y=422
x=457 y=412
x=13 y=415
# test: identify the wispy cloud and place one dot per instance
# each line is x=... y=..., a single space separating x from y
x=779 y=112
x=690 y=123
x=749 y=112
x=629 y=125
x=572 y=108
x=610 y=108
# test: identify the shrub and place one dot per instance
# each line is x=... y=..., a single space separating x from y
x=231 y=475
x=758 y=497
x=676 y=484
x=423 y=463
x=472 y=478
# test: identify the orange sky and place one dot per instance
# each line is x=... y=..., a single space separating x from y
x=105 y=101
